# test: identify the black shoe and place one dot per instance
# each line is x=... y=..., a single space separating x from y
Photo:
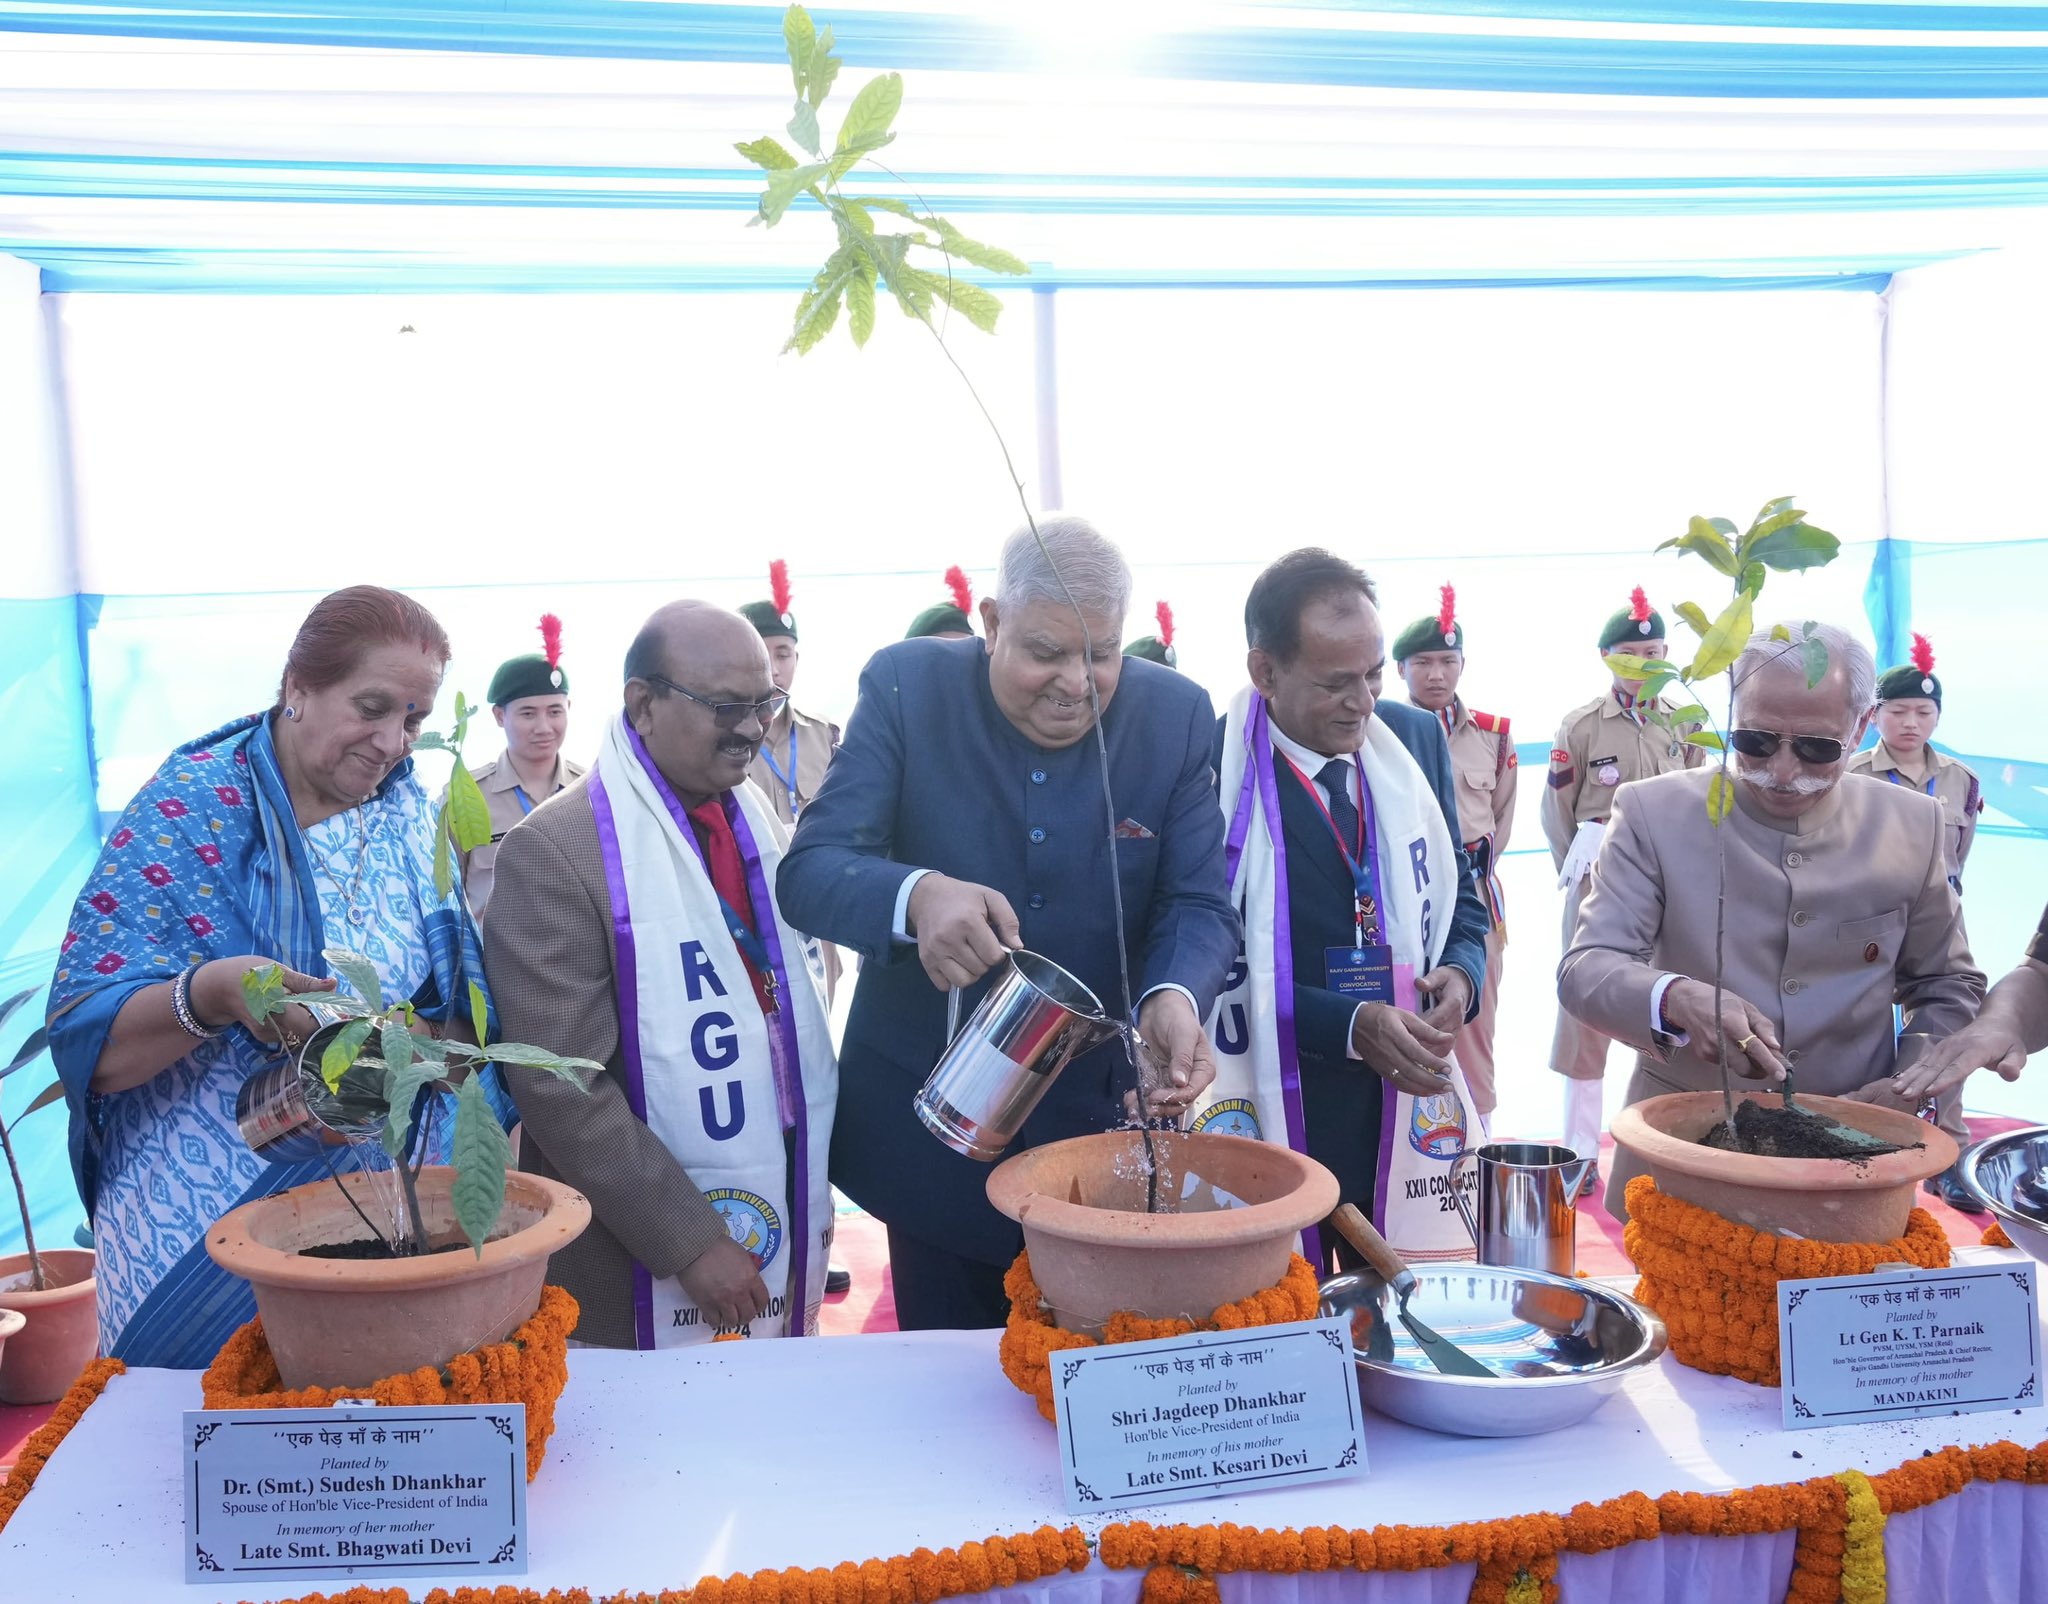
x=838 y=1281
x=1590 y=1186
x=1948 y=1186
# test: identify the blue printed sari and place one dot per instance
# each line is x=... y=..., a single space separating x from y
x=208 y=861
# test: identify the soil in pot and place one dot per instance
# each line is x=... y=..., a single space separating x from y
x=1772 y=1130
x=371 y=1248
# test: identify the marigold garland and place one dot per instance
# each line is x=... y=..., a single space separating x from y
x=42 y=1442
x=1031 y=1338
x=1863 y=1574
x=1715 y=1282
x=529 y=1367
x=1995 y=1237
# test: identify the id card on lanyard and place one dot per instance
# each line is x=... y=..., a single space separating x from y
x=1364 y=970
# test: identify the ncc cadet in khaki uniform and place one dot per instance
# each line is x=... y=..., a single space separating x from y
x=1157 y=648
x=1430 y=656
x=948 y=620
x=529 y=698
x=1908 y=709
x=1599 y=748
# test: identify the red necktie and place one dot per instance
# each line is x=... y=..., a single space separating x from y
x=728 y=874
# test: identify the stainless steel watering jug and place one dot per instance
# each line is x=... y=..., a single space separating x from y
x=286 y=1113
x=1035 y=1018
x=1528 y=1203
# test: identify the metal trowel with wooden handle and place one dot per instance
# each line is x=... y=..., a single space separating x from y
x=1445 y=1354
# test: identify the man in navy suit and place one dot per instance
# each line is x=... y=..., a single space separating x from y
x=1318 y=652
x=963 y=816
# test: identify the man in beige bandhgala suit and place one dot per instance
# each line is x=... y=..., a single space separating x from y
x=1838 y=906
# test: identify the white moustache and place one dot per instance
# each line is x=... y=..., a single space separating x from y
x=1804 y=785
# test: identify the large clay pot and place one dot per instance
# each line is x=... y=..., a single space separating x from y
x=1821 y=1199
x=1238 y=1206
x=61 y=1332
x=345 y=1322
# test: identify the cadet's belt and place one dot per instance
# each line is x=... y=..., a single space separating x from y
x=1483 y=866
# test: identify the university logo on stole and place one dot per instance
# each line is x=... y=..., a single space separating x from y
x=750 y=1220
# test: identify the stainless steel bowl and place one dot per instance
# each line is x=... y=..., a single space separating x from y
x=1562 y=1346
x=1992 y=1170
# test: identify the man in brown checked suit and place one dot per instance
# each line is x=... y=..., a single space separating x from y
x=1838 y=905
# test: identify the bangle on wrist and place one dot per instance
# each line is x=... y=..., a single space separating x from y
x=181 y=1007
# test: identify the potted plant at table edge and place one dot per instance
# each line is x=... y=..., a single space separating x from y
x=60 y=1302
x=403 y=1061
x=1821 y=1194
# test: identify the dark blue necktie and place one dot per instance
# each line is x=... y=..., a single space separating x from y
x=1335 y=778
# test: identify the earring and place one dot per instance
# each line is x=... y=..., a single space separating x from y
x=290 y=711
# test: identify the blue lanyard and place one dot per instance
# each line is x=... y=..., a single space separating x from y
x=519 y=794
x=1893 y=776
x=788 y=780
x=1363 y=860
x=743 y=938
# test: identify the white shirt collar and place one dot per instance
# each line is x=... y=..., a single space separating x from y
x=1309 y=762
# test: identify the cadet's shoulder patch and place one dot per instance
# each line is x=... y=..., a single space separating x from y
x=1974 y=802
x=1560 y=754
x=1560 y=777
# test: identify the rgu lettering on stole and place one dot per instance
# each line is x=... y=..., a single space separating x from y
x=1233 y=1029
x=1418 y=859
x=714 y=1044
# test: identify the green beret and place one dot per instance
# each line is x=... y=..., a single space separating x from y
x=1623 y=629
x=526 y=676
x=1429 y=635
x=1153 y=650
x=941 y=619
x=1906 y=681
x=763 y=616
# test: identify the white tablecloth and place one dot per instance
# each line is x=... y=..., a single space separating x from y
x=668 y=1467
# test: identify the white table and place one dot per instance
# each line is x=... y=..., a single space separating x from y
x=668 y=1467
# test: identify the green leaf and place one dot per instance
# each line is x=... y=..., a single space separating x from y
x=1694 y=615
x=867 y=121
x=803 y=126
x=52 y=1093
x=395 y=1043
x=1706 y=738
x=28 y=1052
x=1773 y=516
x=819 y=308
x=444 y=870
x=972 y=251
x=784 y=187
x=263 y=991
x=1703 y=540
x=1724 y=642
x=358 y=972
x=1814 y=653
x=428 y=741
x=1627 y=667
x=798 y=38
x=1655 y=681
x=469 y=815
x=823 y=70
x=341 y=1052
x=1720 y=797
x=1795 y=547
x=1723 y=526
x=769 y=153
x=529 y=1057
x=860 y=306
x=9 y=1007
x=1780 y=633
x=977 y=305
x=401 y=1091
x=482 y=1153
x=462 y=713
x=1691 y=713
x=479 y=1013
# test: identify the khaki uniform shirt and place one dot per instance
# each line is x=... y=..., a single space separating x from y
x=1599 y=748
x=1831 y=919
x=1483 y=760
x=816 y=741
x=1952 y=784
x=499 y=783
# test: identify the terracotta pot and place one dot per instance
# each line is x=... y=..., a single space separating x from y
x=346 y=1322
x=62 y=1329
x=1095 y=1251
x=1821 y=1199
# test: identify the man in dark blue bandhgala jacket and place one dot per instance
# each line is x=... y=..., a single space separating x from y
x=1317 y=657
x=964 y=815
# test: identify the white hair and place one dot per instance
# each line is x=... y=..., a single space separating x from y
x=1845 y=651
x=1073 y=549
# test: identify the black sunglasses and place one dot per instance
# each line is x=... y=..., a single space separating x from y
x=728 y=715
x=1807 y=748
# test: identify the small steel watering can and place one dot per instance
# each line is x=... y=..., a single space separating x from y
x=1528 y=1203
x=286 y=1113
x=1035 y=1018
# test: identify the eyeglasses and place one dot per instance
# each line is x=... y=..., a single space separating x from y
x=1817 y=749
x=728 y=715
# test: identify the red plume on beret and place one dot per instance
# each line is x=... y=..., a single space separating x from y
x=1923 y=653
x=963 y=593
x=1638 y=605
x=778 y=585
x=1164 y=614
x=551 y=639
x=1447 y=614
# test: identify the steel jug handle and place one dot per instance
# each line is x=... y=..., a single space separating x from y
x=952 y=1015
x=1574 y=1178
x=1458 y=1196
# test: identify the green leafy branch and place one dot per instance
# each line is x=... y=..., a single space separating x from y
x=33 y=1047
x=871 y=252
x=463 y=822
x=395 y=1057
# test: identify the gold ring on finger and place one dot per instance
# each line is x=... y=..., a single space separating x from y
x=1743 y=1045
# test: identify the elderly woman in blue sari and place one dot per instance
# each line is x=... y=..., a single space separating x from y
x=267 y=841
